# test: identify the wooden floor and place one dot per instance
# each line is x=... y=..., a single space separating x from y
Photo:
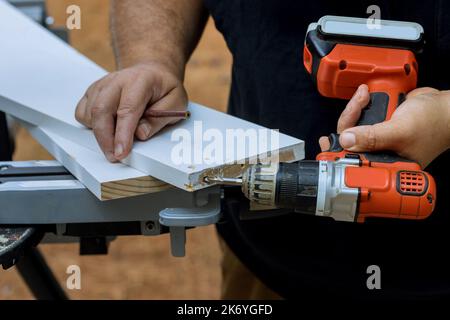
x=136 y=267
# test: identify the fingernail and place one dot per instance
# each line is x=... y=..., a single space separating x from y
x=348 y=140
x=118 y=150
x=110 y=157
x=145 y=128
x=359 y=92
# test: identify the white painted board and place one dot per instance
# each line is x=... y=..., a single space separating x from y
x=42 y=78
x=86 y=165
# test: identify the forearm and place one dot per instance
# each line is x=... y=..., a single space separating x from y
x=162 y=31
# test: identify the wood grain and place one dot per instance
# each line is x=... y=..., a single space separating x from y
x=132 y=187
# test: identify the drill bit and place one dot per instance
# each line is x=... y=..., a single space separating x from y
x=223 y=181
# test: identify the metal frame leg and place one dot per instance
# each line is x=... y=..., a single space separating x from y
x=39 y=277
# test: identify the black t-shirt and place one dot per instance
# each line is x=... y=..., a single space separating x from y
x=5 y=143
x=296 y=254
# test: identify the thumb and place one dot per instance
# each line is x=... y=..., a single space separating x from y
x=377 y=137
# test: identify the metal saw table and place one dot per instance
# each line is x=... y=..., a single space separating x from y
x=42 y=200
x=43 y=193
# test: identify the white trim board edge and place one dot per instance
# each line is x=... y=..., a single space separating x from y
x=105 y=180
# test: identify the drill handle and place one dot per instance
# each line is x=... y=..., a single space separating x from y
x=381 y=107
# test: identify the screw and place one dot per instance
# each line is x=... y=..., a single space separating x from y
x=342 y=64
x=150 y=225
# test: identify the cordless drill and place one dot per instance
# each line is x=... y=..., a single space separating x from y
x=341 y=53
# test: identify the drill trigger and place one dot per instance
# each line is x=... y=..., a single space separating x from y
x=335 y=146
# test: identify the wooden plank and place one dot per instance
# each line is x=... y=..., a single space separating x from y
x=42 y=79
x=105 y=180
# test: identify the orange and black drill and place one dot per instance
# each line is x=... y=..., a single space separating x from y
x=341 y=53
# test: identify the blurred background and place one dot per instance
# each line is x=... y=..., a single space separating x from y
x=136 y=267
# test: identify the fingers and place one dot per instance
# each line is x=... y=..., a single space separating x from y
x=324 y=143
x=352 y=111
x=350 y=115
x=381 y=136
x=176 y=99
x=82 y=113
x=102 y=117
x=419 y=91
x=132 y=105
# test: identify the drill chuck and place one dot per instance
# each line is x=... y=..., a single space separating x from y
x=259 y=183
x=297 y=186
x=283 y=185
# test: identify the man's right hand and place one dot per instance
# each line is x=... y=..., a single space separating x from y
x=418 y=130
x=114 y=106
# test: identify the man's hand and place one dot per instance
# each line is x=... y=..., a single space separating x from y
x=114 y=106
x=418 y=130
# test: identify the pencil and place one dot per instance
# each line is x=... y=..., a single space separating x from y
x=167 y=113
